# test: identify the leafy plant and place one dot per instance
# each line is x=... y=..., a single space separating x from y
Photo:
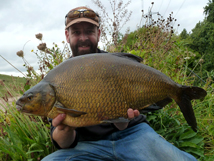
x=180 y=135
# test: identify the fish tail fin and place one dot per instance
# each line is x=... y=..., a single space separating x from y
x=183 y=100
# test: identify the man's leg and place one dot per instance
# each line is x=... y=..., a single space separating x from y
x=90 y=151
x=141 y=142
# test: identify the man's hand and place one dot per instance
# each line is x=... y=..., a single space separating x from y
x=64 y=135
x=131 y=114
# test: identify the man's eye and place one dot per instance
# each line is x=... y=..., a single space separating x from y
x=90 y=31
x=76 y=32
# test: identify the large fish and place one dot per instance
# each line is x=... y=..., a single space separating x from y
x=99 y=88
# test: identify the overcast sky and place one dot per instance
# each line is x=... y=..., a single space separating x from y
x=21 y=20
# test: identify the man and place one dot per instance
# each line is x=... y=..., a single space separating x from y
x=135 y=140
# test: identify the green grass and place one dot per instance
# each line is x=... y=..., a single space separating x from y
x=10 y=84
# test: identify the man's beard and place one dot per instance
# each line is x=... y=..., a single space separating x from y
x=76 y=52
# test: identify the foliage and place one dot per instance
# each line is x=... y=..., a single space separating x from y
x=209 y=11
x=201 y=40
x=184 y=34
x=180 y=135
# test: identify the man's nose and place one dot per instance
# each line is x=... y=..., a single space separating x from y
x=83 y=37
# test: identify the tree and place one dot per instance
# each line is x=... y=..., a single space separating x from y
x=202 y=37
x=184 y=34
x=209 y=11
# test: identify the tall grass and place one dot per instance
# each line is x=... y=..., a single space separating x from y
x=23 y=137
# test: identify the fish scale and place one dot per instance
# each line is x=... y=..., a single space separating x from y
x=97 y=88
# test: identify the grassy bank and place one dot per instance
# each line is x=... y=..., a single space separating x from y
x=9 y=84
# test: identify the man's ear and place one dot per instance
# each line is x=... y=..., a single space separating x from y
x=67 y=35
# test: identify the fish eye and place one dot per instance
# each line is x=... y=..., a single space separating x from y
x=29 y=98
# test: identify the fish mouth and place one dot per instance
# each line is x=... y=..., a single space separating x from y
x=20 y=109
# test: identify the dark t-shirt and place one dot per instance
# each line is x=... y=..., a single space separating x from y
x=97 y=132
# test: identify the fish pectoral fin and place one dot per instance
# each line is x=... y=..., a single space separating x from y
x=71 y=112
x=118 y=120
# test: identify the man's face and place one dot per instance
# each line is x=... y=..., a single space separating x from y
x=83 y=38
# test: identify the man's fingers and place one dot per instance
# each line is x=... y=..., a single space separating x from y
x=130 y=113
x=136 y=113
x=58 y=120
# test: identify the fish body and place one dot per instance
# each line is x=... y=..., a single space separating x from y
x=96 y=88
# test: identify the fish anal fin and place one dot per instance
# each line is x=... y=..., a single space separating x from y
x=118 y=120
x=72 y=112
x=163 y=102
x=156 y=106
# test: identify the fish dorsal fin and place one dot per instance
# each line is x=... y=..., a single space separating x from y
x=71 y=112
x=129 y=56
